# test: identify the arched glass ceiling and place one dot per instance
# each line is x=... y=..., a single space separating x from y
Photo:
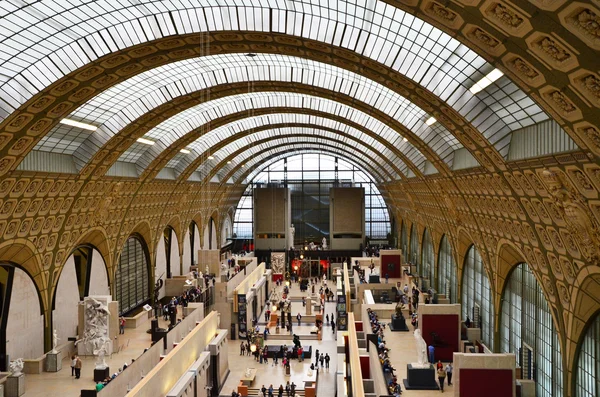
x=45 y=40
x=194 y=117
x=258 y=154
x=293 y=135
x=125 y=102
x=308 y=166
x=212 y=139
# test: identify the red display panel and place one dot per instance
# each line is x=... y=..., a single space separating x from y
x=359 y=326
x=365 y=367
x=390 y=264
x=486 y=382
x=277 y=277
x=446 y=328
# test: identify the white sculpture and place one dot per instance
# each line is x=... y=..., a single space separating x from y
x=292 y=233
x=248 y=372
x=422 y=360
x=16 y=367
x=55 y=340
x=95 y=334
x=324 y=243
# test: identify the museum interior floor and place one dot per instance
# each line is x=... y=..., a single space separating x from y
x=401 y=344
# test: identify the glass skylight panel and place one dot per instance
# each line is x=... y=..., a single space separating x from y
x=405 y=43
x=320 y=136
x=199 y=115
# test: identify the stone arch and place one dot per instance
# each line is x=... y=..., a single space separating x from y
x=575 y=346
x=146 y=257
x=586 y=308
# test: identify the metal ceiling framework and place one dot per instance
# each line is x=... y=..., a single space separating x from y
x=424 y=54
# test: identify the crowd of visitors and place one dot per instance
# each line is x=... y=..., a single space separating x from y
x=101 y=384
x=377 y=327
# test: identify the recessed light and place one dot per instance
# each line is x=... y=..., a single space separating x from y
x=79 y=124
x=185 y=151
x=145 y=141
x=404 y=140
x=430 y=121
x=211 y=158
x=229 y=162
x=486 y=80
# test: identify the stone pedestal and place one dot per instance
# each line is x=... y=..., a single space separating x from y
x=308 y=306
x=53 y=362
x=398 y=323
x=15 y=386
x=420 y=378
x=101 y=373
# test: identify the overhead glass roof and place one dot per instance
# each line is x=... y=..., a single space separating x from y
x=291 y=136
x=192 y=118
x=44 y=40
x=206 y=144
x=125 y=102
x=251 y=160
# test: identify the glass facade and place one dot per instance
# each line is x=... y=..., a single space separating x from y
x=415 y=252
x=476 y=290
x=526 y=319
x=131 y=280
x=587 y=382
x=447 y=280
x=309 y=177
x=404 y=242
x=428 y=259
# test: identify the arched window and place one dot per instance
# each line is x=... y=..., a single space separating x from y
x=476 y=292
x=587 y=382
x=404 y=242
x=447 y=282
x=427 y=259
x=131 y=280
x=414 y=249
x=526 y=319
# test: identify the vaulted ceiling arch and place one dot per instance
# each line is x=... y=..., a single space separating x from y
x=251 y=137
x=228 y=159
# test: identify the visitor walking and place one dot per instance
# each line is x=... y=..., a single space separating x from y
x=387 y=278
x=299 y=317
x=263 y=390
x=332 y=326
x=327 y=318
x=441 y=376
x=321 y=359
x=242 y=349
x=78 y=365
x=271 y=391
x=288 y=388
x=431 y=351
x=327 y=358
x=73 y=362
x=449 y=370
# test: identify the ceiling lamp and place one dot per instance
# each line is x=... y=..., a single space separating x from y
x=185 y=151
x=486 y=80
x=431 y=121
x=211 y=157
x=79 y=124
x=145 y=141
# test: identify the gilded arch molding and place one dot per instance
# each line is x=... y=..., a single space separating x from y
x=203 y=157
x=185 y=47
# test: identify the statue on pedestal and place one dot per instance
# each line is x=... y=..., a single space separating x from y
x=95 y=334
x=422 y=359
x=324 y=243
x=55 y=340
x=16 y=367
